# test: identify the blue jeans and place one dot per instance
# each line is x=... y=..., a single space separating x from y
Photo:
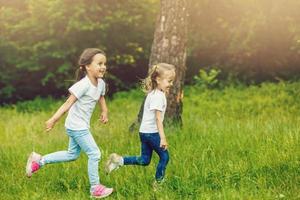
x=78 y=140
x=150 y=142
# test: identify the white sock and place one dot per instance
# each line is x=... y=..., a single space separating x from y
x=42 y=162
x=121 y=162
x=92 y=188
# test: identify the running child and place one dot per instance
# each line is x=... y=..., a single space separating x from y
x=84 y=95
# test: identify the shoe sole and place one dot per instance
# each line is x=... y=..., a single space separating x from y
x=100 y=197
x=29 y=162
x=108 y=164
x=28 y=165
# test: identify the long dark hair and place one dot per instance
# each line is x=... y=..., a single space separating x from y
x=85 y=59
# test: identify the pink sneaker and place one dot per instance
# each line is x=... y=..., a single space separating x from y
x=100 y=191
x=33 y=164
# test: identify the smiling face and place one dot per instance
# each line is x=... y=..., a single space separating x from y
x=97 y=68
x=165 y=81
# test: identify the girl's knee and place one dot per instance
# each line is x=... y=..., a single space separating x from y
x=144 y=160
x=95 y=154
x=165 y=158
x=74 y=156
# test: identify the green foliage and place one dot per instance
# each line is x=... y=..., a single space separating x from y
x=207 y=79
x=257 y=40
x=36 y=105
x=236 y=143
x=43 y=40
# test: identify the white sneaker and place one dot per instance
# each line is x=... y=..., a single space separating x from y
x=33 y=164
x=114 y=162
x=158 y=185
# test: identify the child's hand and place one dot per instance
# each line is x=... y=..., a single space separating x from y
x=104 y=117
x=163 y=143
x=49 y=124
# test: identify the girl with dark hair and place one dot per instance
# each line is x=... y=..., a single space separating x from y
x=84 y=94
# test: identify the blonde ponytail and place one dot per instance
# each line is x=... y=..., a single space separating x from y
x=150 y=83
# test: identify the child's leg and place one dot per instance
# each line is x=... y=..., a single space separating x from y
x=63 y=156
x=163 y=157
x=87 y=143
x=146 y=153
x=36 y=161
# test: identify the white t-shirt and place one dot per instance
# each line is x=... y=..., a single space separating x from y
x=87 y=96
x=155 y=100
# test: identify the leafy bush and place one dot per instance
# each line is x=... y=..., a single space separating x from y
x=37 y=105
x=207 y=79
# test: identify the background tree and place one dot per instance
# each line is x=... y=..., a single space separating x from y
x=169 y=46
x=40 y=41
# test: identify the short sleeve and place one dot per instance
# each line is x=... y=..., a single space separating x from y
x=79 y=89
x=157 y=102
x=103 y=89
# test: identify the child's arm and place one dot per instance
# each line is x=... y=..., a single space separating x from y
x=104 y=113
x=64 y=108
x=163 y=140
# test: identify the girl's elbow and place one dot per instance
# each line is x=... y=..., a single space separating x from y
x=158 y=122
x=102 y=98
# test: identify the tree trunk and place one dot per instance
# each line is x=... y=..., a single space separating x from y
x=169 y=46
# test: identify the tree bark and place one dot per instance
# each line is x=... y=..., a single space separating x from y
x=169 y=46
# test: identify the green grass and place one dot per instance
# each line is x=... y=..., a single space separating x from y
x=236 y=143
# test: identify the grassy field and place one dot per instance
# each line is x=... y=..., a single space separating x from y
x=236 y=143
